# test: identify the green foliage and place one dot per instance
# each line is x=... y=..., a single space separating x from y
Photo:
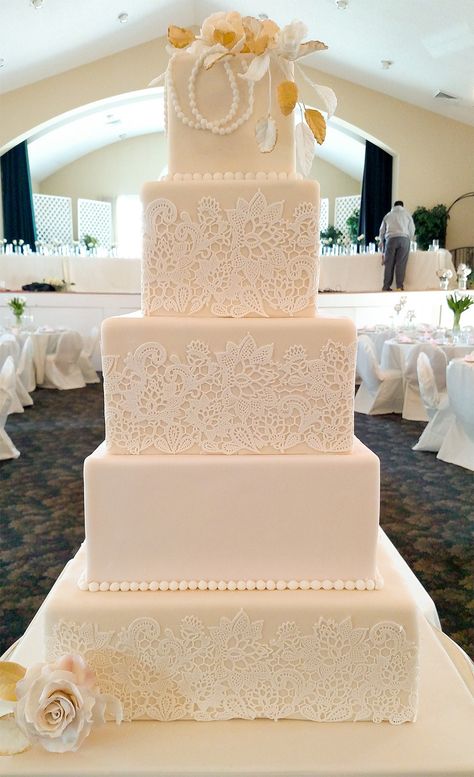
x=353 y=225
x=17 y=305
x=331 y=236
x=430 y=224
x=459 y=303
x=91 y=242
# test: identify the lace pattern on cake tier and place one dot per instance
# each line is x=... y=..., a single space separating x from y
x=234 y=262
x=336 y=672
x=238 y=400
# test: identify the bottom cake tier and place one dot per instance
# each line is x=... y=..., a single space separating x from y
x=199 y=655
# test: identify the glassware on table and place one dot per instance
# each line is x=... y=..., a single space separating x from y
x=463 y=272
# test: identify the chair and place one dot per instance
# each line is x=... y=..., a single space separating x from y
x=9 y=384
x=436 y=405
x=7 y=448
x=458 y=444
x=62 y=367
x=9 y=352
x=85 y=357
x=379 y=340
x=381 y=390
x=26 y=365
x=413 y=408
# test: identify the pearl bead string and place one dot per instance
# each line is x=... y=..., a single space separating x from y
x=233 y=585
x=200 y=122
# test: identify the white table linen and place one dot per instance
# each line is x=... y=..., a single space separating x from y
x=458 y=444
x=364 y=272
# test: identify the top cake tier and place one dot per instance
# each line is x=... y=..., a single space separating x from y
x=212 y=116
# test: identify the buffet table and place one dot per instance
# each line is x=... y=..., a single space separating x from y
x=344 y=273
x=364 y=272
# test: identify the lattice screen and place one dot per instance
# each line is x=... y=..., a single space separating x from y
x=345 y=207
x=324 y=214
x=94 y=218
x=53 y=217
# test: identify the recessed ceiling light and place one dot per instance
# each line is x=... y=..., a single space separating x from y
x=2 y=62
x=123 y=17
x=342 y=4
x=386 y=63
x=37 y=4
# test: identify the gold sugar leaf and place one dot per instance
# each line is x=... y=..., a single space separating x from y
x=226 y=39
x=10 y=675
x=317 y=124
x=287 y=93
x=180 y=37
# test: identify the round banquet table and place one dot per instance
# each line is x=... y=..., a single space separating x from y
x=395 y=353
x=44 y=342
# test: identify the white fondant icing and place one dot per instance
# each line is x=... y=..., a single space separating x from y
x=245 y=398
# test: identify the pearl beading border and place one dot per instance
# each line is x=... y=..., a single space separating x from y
x=200 y=122
x=238 y=176
x=234 y=585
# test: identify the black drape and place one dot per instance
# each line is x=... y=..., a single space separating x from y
x=18 y=213
x=376 y=198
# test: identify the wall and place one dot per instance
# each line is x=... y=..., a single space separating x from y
x=434 y=155
x=333 y=183
x=120 y=168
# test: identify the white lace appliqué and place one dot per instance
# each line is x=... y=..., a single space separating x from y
x=248 y=260
x=238 y=400
x=337 y=672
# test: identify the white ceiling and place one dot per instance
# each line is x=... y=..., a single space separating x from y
x=431 y=43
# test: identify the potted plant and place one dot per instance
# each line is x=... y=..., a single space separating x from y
x=331 y=236
x=353 y=226
x=458 y=304
x=430 y=224
x=17 y=305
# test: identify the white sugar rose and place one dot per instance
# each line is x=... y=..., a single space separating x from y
x=58 y=703
x=290 y=39
x=222 y=22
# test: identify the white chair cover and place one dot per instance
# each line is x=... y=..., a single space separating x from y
x=436 y=405
x=62 y=369
x=413 y=408
x=458 y=444
x=7 y=365
x=85 y=358
x=9 y=346
x=381 y=390
x=26 y=365
x=7 y=448
x=379 y=340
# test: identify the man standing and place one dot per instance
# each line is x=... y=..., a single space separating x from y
x=396 y=231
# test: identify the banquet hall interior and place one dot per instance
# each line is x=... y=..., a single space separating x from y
x=83 y=119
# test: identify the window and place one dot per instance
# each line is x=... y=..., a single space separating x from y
x=129 y=225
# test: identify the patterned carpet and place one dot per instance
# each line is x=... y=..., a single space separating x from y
x=426 y=507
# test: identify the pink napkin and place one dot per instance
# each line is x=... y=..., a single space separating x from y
x=469 y=357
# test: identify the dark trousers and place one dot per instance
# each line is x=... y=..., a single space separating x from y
x=397 y=250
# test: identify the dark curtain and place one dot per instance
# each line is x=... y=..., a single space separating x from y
x=18 y=214
x=376 y=199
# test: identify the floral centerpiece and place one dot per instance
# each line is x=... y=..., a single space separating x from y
x=458 y=304
x=17 y=305
x=226 y=36
x=53 y=705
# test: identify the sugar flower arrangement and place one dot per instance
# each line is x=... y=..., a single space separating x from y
x=226 y=36
x=53 y=705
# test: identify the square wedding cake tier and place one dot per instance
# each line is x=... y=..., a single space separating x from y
x=227 y=145
x=223 y=521
x=230 y=247
x=202 y=655
x=250 y=386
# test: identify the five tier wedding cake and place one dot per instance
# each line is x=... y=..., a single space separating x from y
x=231 y=567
